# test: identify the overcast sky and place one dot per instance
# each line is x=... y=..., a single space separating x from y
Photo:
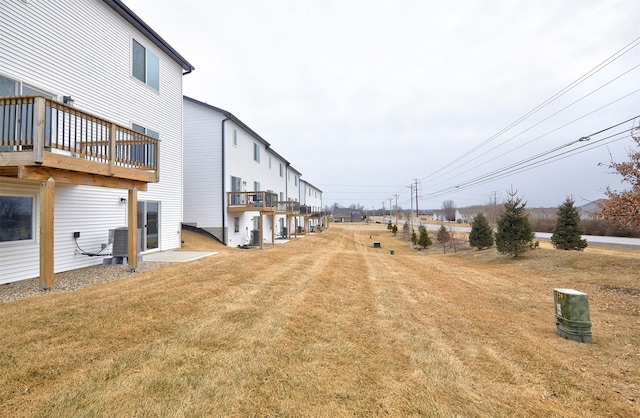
x=365 y=97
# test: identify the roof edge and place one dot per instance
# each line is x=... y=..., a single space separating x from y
x=128 y=15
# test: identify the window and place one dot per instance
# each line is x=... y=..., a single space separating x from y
x=8 y=87
x=256 y=152
x=269 y=162
x=236 y=224
x=236 y=186
x=145 y=66
x=281 y=170
x=143 y=153
x=16 y=218
x=282 y=196
x=295 y=180
x=235 y=138
x=256 y=186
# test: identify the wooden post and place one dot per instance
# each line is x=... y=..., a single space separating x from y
x=47 y=193
x=112 y=148
x=261 y=227
x=132 y=226
x=38 y=129
x=273 y=228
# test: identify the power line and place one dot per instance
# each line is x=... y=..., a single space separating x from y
x=537 y=108
x=538 y=137
x=536 y=161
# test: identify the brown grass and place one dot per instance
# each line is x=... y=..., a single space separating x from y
x=329 y=326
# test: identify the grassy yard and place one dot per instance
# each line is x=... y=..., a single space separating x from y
x=328 y=326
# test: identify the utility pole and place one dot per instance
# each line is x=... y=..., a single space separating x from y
x=382 y=211
x=396 y=195
x=411 y=211
x=417 y=212
x=390 y=208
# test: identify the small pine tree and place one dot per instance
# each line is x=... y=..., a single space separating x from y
x=394 y=229
x=567 y=232
x=514 y=234
x=481 y=235
x=424 y=241
x=414 y=237
x=389 y=226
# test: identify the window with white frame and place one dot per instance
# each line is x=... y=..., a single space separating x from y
x=281 y=170
x=236 y=224
x=143 y=153
x=15 y=125
x=235 y=138
x=16 y=218
x=269 y=162
x=256 y=152
x=145 y=65
x=295 y=180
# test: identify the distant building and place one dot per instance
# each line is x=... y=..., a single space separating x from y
x=346 y=215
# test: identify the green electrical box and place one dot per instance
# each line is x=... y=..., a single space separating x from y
x=572 y=315
x=376 y=245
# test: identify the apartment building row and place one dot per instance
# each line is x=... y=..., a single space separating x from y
x=96 y=136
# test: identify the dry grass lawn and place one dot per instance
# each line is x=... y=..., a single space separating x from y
x=328 y=326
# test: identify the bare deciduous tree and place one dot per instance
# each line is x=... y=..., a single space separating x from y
x=623 y=208
x=449 y=208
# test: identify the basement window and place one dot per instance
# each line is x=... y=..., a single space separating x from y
x=16 y=218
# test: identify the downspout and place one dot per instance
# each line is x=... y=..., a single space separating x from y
x=224 y=201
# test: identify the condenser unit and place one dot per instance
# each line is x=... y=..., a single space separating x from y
x=119 y=241
x=118 y=238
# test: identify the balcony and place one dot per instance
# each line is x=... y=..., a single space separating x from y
x=289 y=207
x=312 y=211
x=252 y=201
x=42 y=138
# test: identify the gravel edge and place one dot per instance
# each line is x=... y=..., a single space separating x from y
x=73 y=280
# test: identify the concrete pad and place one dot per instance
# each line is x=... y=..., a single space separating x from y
x=176 y=256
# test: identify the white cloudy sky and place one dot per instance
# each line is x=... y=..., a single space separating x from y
x=365 y=97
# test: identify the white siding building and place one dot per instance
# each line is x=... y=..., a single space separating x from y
x=236 y=187
x=311 y=206
x=104 y=62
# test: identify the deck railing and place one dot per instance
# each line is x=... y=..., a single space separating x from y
x=254 y=199
x=39 y=124
x=289 y=206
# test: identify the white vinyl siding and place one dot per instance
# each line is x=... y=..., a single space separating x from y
x=102 y=84
x=203 y=192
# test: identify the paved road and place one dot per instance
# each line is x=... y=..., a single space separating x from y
x=593 y=239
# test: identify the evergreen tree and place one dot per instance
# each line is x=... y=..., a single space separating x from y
x=414 y=237
x=481 y=235
x=514 y=235
x=567 y=232
x=394 y=229
x=424 y=241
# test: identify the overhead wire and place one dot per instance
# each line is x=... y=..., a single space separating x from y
x=534 y=161
x=451 y=166
x=541 y=136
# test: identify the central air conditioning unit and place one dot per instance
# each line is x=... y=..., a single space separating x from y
x=119 y=241
x=255 y=237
